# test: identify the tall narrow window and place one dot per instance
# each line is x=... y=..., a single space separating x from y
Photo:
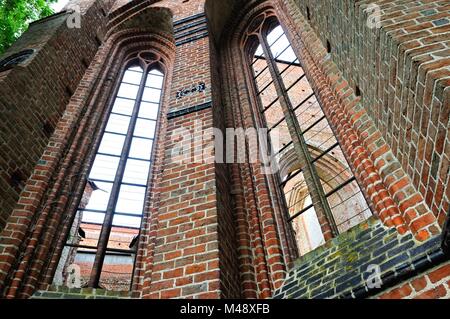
x=102 y=242
x=309 y=154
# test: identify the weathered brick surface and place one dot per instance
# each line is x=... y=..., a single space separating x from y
x=341 y=268
x=33 y=95
x=434 y=284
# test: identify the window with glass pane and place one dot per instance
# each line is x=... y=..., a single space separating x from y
x=103 y=238
x=280 y=80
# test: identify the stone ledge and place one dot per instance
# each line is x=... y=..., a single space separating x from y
x=61 y=292
x=339 y=269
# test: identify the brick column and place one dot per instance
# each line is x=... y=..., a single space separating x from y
x=190 y=246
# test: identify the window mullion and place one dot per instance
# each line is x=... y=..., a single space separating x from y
x=109 y=215
x=301 y=148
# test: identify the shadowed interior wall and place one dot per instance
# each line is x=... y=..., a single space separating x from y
x=33 y=96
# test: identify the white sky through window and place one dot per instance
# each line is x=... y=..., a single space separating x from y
x=131 y=196
x=280 y=46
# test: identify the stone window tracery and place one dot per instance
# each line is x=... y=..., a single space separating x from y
x=318 y=185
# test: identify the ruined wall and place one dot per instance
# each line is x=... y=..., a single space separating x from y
x=433 y=284
x=34 y=94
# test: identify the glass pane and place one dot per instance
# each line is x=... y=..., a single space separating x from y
x=123 y=238
x=104 y=168
x=291 y=79
x=349 y=207
x=280 y=47
x=98 y=199
x=132 y=77
x=287 y=71
x=274 y=35
x=136 y=172
x=259 y=51
x=287 y=56
x=118 y=124
x=320 y=137
x=154 y=81
x=136 y=69
x=327 y=144
x=83 y=231
x=333 y=170
x=141 y=148
x=128 y=91
x=92 y=217
x=285 y=153
x=151 y=95
x=145 y=128
x=117 y=271
x=156 y=72
x=280 y=136
x=131 y=200
x=339 y=158
x=309 y=113
x=112 y=144
x=298 y=92
x=127 y=221
x=91 y=231
x=262 y=72
x=307 y=230
x=282 y=50
x=123 y=106
x=273 y=114
x=149 y=110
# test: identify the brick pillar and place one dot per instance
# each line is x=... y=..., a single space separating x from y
x=191 y=244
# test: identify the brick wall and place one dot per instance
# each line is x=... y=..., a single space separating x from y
x=186 y=254
x=192 y=250
x=34 y=95
x=433 y=284
x=264 y=245
x=342 y=268
x=371 y=66
x=228 y=241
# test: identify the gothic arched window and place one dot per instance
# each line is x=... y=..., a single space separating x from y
x=314 y=175
x=102 y=242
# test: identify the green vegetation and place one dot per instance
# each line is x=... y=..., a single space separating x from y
x=16 y=15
